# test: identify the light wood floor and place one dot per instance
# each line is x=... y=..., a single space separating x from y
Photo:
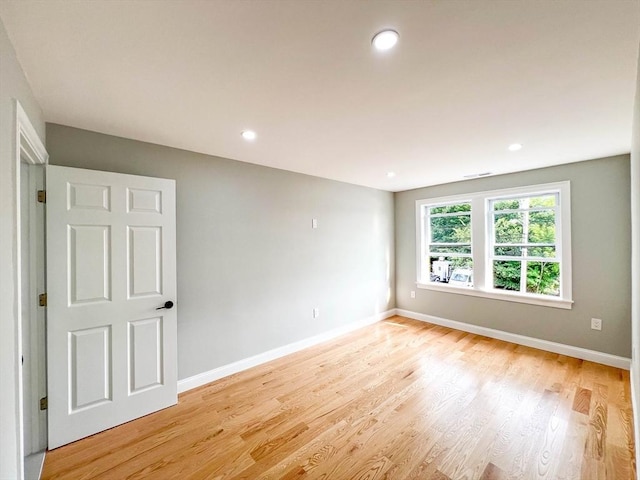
x=398 y=400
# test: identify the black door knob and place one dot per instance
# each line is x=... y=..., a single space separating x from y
x=168 y=305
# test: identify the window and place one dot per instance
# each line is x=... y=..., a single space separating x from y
x=523 y=254
x=449 y=237
x=509 y=244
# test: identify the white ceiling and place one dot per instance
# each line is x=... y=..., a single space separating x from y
x=466 y=79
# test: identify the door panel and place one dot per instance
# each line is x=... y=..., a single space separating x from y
x=90 y=367
x=145 y=261
x=89 y=263
x=91 y=197
x=110 y=265
x=141 y=201
x=145 y=354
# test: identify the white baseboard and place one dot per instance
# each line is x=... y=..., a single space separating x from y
x=246 y=363
x=33 y=465
x=560 y=348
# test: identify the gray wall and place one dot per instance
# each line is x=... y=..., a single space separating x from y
x=601 y=248
x=250 y=267
x=13 y=86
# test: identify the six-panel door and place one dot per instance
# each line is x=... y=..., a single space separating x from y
x=110 y=265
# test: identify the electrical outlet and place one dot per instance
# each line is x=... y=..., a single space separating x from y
x=316 y=312
x=314 y=223
x=413 y=294
x=596 y=324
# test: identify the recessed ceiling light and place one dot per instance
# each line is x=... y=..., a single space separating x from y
x=385 y=39
x=249 y=135
x=391 y=174
x=514 y=147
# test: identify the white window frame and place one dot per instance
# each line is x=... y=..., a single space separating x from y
x=482 y=241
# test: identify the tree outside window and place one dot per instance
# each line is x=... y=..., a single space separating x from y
x=524 y=249
x=449 y=233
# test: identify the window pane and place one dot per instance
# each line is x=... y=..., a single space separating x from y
x=511 y=251
x=506 y=275
x=457 y=207
x=525 y=202
x=545 y=252
x=461 y=277
x=542 y=201
x=543 y=278
x=508 y=251
x=507 y=228
x=442 y=267
x=450 y=249
x=506 y=205
x=453 y=229
x=542 y=226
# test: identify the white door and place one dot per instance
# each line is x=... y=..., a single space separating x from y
x=111 y=347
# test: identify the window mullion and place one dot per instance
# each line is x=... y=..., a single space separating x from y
x=524 y=204
x=478 y=241
x=425 y=246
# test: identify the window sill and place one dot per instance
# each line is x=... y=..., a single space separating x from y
x=504 y=296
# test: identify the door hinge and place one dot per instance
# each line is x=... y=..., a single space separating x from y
x=42 y=299
x=44 y=403
x=42 y=196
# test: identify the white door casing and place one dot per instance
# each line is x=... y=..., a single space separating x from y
x=110 y=265
x=29 y=381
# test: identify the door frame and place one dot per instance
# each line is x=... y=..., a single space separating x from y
x=31 y=151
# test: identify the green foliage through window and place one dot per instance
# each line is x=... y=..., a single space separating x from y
x=450 y=223
x=526 y=228
x=450 y=239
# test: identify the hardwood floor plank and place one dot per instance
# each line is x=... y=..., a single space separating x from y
x=582 y=402
x=530 y=438
x=438 y=475
x=574 y=448
x=548 y=458
x=310 y=455
x=397 y=400
x=598 y=423
x=491 y=472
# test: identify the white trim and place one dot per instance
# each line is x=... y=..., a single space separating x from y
x=246 y=363
x=546 y=301
x=560 y=348
x=34 y=464
x=29 y=147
